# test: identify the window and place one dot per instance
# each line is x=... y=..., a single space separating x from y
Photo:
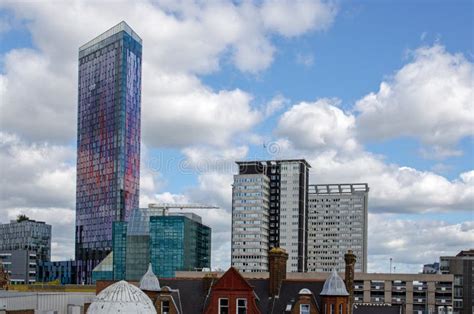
x=241 y=306
x=340 y=308
x=304 y=309
x=331 y=311
x=223 y=306
x=165 y=306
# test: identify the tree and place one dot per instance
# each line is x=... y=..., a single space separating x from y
x=22 y=217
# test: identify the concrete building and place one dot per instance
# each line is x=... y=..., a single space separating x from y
x=108 y=141
x=337 y=222
x=23 y=244
x=269 y=209
x=461 y=267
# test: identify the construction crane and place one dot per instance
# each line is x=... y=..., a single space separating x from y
x=167 y=206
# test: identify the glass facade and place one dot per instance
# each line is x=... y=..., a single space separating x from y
x=108 y=142
x=174 y=241
x=178 y=243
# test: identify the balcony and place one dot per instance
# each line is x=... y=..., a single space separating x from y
x=398 y=300
x=377 y=300
x=419 y=300
x=443 y=301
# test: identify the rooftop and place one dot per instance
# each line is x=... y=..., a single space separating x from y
x=122 y=297
x=337 y=189
x=120 y=27
x=269 y=162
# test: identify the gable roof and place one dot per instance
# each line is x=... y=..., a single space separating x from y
x=232 y=280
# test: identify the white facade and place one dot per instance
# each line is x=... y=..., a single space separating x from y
x=292 y=218
x=250 y=204
x=337 y=223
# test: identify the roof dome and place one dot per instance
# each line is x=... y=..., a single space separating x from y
x=305 y=291
x=149 y=281
x=121 y=297
x=334 y=285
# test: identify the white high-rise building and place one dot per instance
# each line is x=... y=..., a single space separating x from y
x=337 y=222
x=250 y=205
x=269 y=208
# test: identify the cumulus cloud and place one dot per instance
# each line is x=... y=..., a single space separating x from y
x=394 y=188
x=318 y=125
x=181 y=41
x=36 y=175
x=429 y=98
x=412 y=243
x=180 y=111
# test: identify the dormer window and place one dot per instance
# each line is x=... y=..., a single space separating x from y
x=165 y=306
x=304 y=308
x=241 y=306
x=223 y=306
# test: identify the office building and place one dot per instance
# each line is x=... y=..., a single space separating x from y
x=170 y=241
x=24 y=243
x=269 y=209
x=461 y=267
x=108 y=141
x=337 y=223
x=62 y=272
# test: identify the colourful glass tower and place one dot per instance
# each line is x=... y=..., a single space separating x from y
x=108 y=141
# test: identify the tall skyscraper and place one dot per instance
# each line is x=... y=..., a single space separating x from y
x=337 y=223
x=108 y=141
x=269 y=209
x=24 y=243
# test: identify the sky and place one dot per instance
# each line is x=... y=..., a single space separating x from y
x=367 y=91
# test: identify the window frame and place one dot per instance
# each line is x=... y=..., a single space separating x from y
x=308 y=311
x=237 y=305
x=219 y=305
x=162 y=306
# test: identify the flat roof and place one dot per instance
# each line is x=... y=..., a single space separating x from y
x=244 y=162
x=120 y=27
x=337 y=188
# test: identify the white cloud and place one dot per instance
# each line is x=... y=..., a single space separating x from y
x=178 y=111
x=412 y=243
x=318 y=125
x=429 y=99
x=181 y=41
x=36 y=175
x=395 y=188
x=305 y=15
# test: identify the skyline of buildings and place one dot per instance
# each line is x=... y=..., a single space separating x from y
x=275 y=205
x=287 y=179
x=108 y=141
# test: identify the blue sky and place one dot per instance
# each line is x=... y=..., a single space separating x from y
x=220 y=80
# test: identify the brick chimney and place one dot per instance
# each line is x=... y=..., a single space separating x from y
x=350 y=259
x=277 y=258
